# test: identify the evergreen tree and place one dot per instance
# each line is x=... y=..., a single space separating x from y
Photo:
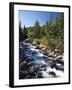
x=20 y=33
x=25 y=32
x=37 y=33
x=43 y=33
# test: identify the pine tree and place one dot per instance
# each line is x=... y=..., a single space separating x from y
x=20 y=33
x=37 y=33
x=25 y=33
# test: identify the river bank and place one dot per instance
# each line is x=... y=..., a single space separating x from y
x=52 y=54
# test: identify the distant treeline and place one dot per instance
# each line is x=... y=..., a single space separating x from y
x=51 y=34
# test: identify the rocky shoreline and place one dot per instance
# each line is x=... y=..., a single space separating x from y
x=52 y=54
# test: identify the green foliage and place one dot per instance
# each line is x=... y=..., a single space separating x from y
x=20 y=33
x=25 y=32
x=36 y=32
x=37 y=41
x=51 y=34
x=52 y=43
x=44 y=40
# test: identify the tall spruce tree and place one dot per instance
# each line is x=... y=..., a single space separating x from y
x=20 y=33
x=37 y=33
x=25 y=33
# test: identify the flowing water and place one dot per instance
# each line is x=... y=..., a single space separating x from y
x=35 y=64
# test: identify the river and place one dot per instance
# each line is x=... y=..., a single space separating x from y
x=35 y=64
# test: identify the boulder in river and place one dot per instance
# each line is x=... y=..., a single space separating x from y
x=51 y=54
x=59 y=57
x=23 y=66
x=52 y=73
x=28 y=40
x=22 y=74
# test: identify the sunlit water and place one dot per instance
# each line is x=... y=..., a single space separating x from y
x=37 y=64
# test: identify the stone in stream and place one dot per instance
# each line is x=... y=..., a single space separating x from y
x=39 y=74
x=37 y=47
x=51 y=58
x=51 y=54
x=45 y=53
x=22 y=74
x=60 y=61
x=28 y=40
x=59 y=57
x=29 y=59
x=34 y=52
x=52 y=73
x=57 y=50
x=22 y=58
x=60 y=67
x=54 y=55
x=31 y=69
x=53 y=64
x=23 y=66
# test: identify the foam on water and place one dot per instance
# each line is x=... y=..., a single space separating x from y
x=40 y=59
x=58 y=73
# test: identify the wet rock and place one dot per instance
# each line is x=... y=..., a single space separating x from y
x=31 y=69
x=23 y=66
x=59 y=67
x=50 y=58
x=45 y=53
x=57 y=50
x=39 y=74
x=60 y=61
x=59 y=57
x=53 y=64
x=46 y=75
x=43 y=49
x=43 y=66
x=52 y=73
x=37 y=47
x=28 y=40
x=49 y=50
x=51 y=54
x=29 y=59
x=22 y=74
x=34 y=52
x=45 y=57
x=54 y=56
